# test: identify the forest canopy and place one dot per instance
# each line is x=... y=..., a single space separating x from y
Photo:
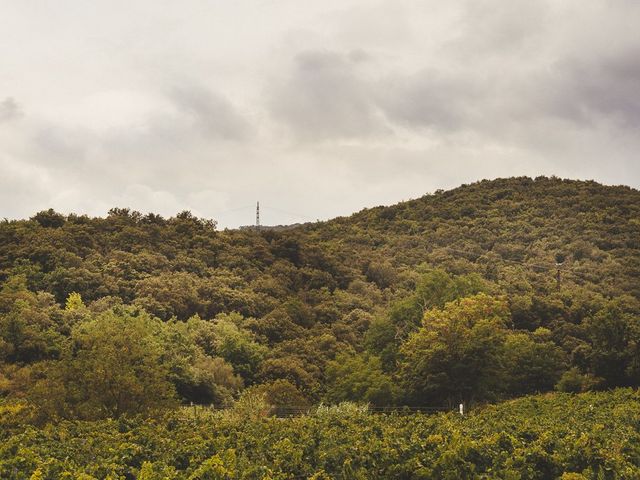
x=490 y=291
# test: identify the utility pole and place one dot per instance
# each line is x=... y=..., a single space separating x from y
x=558 y=277
x=560 y=258
x=258 y=216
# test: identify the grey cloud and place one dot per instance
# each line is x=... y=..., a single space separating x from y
x=9 y=110
x=580 y=91
x=24 y=187
x=381 y=101
x=499 y=78
x=326 y=97
x=607 y=87
x=431 y=99
x=490 y=28
x=198 y=118
x=61 y=146
x=212 y=114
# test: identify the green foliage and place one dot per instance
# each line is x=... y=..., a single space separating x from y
x=381 y=273
x=112 y=367
x=218 y=467
x=74 y=302
x=614 y=332
x=532 y=361
x=359 y=378
x=573 y=381
x=283 y=397
x=592 y=436
x=237 y=346
x=433 y=289
x=49 y=219
x=455 y=356
x=449 y=297
x=466 y=352
x=381 y=338
x=30 y=324
x=199 y=375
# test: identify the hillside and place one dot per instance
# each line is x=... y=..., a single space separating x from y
x=516 y=224
x=452 y=297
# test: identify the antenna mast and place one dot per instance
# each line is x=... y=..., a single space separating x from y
x=258 y=216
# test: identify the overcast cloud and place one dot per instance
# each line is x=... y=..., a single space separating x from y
x=316 y=109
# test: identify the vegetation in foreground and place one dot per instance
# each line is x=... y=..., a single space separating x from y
x=583 y=436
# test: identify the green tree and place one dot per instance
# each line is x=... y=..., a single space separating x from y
x=359 y=378
x=283 y=396
x=381 y=339
x=433 y=289
x=456 y=354
x=114 y=367
x=30 y=323
x=532 y=362
x=49 y=218
x=614 y=332
x=237 y=346
x=74 y=302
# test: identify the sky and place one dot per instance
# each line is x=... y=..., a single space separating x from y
x=316 y=109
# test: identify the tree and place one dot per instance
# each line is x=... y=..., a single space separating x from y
x=29 y=328
x=614 y=332
x=533 y=363
x=359 y=378
x=455 y=355
x=381 y=340
x=573 y=381
x=382 y=273
x=433 y=289
x=74 y=302
x=49 y=218
x=291 y=369
x=237 y=346
x=194 y=366
x=114 y=367
x=283 y=396
x=214 y=381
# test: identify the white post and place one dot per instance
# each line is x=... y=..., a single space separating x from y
x=462 y=409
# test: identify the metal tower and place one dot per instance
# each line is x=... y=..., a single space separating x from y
x=258 y=216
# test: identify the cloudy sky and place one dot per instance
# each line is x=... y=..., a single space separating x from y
x=315 y=108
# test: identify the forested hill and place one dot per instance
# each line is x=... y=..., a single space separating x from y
x=504 y=227
x=358 y=308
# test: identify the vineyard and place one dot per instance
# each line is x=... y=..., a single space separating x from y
x=584 y=436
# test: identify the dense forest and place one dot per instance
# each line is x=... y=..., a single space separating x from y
x=491 y=291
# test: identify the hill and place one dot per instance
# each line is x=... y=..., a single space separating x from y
x=488 y=291
x=506 y=224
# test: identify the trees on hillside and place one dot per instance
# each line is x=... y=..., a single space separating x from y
x=359 y=378
x=113 y=365
x=377 y=290
x=455 y=356
x=614 y=334
x=467 y=352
